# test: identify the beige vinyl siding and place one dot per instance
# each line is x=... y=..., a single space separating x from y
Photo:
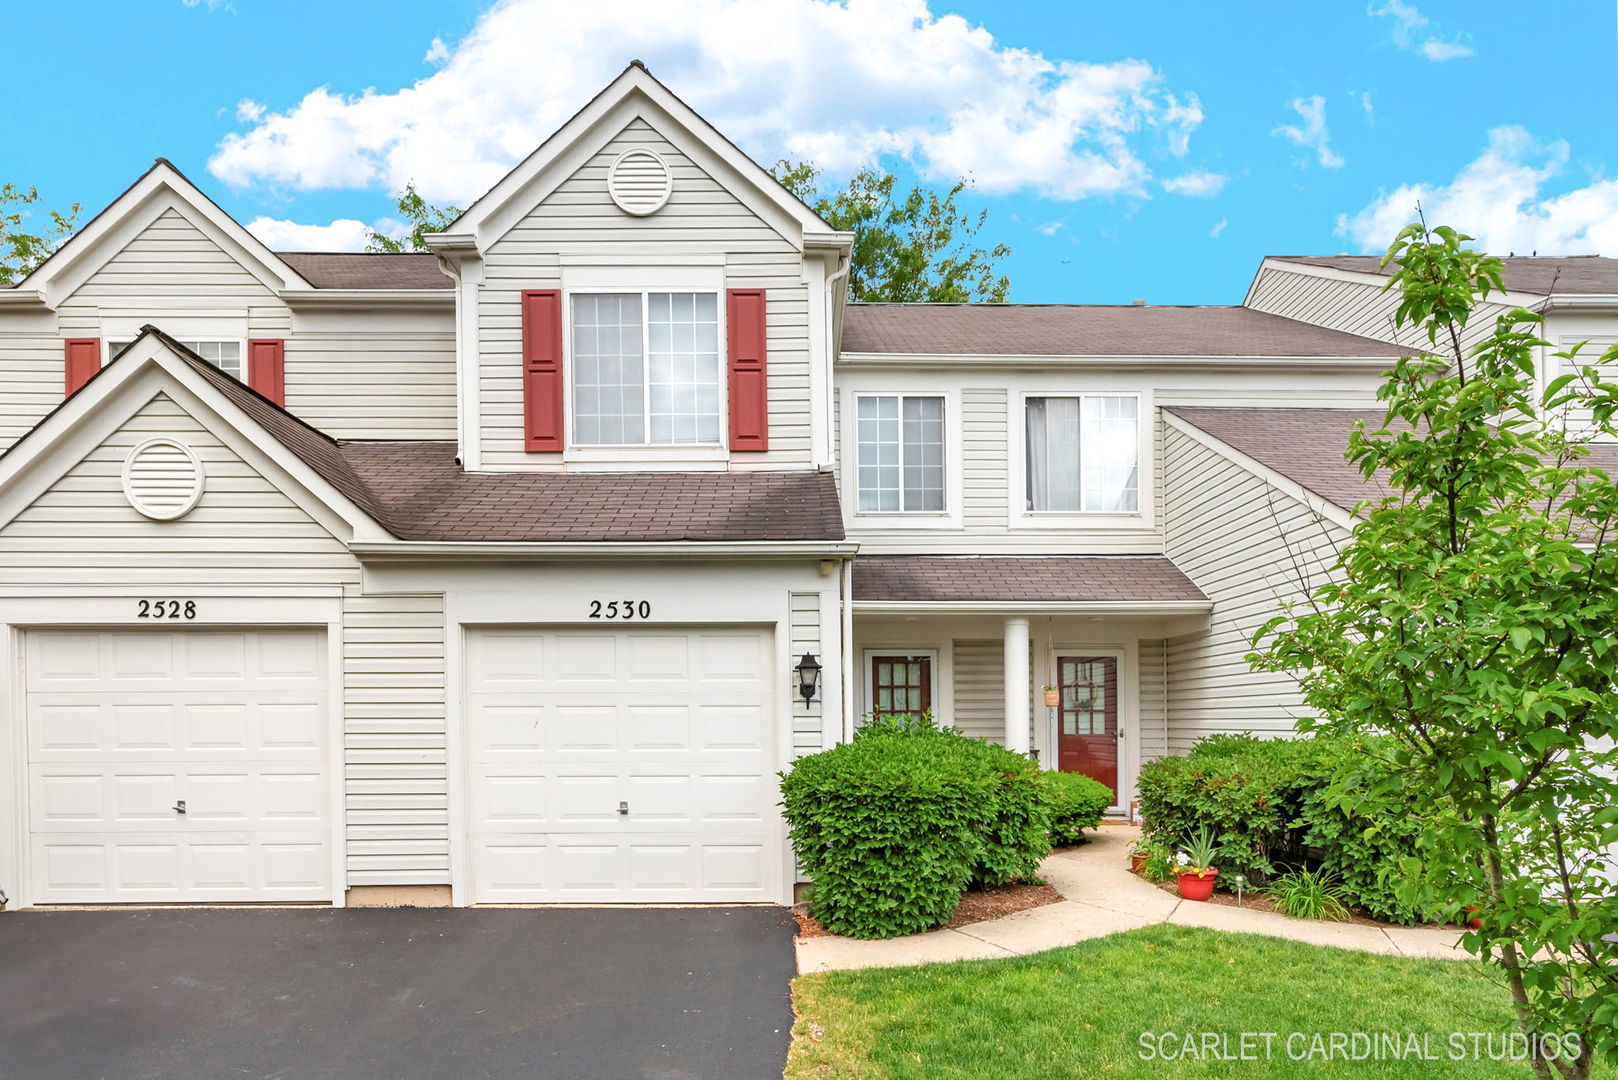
x=1249 y=546
x=1152 y=724
x=980 y=688
x=395 y=749
x=804 y=614
x=389 y=385
x=701 y=219
x=361 y=386
x=82 y=531
x=1354 y=307
x=31 y=379
x=1578 y=420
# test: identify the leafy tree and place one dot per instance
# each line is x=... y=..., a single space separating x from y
x=423 y=218
x=21 y=252
x=1473 y=617
x=913 y=248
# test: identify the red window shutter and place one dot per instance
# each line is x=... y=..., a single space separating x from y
x=542 y=370
x=267 y=368
x=83 y=360
x=749 y=391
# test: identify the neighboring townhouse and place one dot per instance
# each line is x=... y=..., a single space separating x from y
x=515 y=572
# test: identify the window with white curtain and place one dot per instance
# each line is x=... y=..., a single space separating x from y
x=1083 y=454
x=900 y=463
x=646 y=369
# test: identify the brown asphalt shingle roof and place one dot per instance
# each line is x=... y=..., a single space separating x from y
x=1020 y=579
x=365 y=270
x=1092 y=330
x=1538 y=275
x=428 y=497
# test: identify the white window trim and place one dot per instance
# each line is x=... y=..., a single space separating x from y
x=941 y=714
x=1096 y=520
x=947 y=518
x=640 y=280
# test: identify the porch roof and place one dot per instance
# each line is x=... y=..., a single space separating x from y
x=1134 y=582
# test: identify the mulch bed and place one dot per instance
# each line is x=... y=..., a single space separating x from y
x=978 y=905
x=1258 y=901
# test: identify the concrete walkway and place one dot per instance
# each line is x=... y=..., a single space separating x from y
x=1103 y=897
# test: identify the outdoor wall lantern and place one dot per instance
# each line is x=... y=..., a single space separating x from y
x=808 y=670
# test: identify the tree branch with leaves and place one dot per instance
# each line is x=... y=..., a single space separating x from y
x=22 y=251
x=422 y=217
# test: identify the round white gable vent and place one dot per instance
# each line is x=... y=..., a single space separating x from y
x=640 y=182
x=163 y=479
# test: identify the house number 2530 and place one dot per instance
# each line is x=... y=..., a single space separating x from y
x=620 y=609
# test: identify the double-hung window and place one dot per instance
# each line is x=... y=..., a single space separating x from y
x=224 y=355
x=900 y=463
x=646 y=369
x=1083 y=454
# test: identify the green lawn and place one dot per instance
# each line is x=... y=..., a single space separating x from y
x=1079 y=1012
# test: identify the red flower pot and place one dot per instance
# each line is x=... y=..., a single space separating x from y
x=1473 y=919
x=1137 y=861
x=1196 y=886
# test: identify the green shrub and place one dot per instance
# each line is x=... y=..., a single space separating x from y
x=893 y=826
x=1077 y=803
x=1289 y=803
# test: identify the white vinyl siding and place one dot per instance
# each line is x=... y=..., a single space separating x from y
x=901 y=453
x=1310 y=295
x=806 y=638
x=377 y=384
x=978 y=669
x=702 y=219
x=1250 y=547
x=245 y=531
x=1579 y=420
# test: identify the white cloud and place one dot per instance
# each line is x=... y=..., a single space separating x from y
x=1050 y=228
x=1197 y=184
x=1312 y=133
x=437 y=52
x=836 y=83
x=1370 y=110
x=1219 y=227
x=1497 y=198
x=344 y=234
x=1409 y=25
x=211 y=5
x=249 y=112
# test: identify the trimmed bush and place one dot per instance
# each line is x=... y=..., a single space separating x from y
x=1077 y=803
x=1288 y=803
x=894 y=826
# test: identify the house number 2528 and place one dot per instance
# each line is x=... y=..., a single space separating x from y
x=620 y=609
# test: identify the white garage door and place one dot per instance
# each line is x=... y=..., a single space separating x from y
x=622 y=765
x=125 y=728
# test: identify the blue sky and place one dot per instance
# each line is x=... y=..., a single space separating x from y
x=1153 y=150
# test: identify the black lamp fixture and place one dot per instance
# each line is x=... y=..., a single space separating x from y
x=808 y=670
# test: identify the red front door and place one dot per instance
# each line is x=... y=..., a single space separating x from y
x=1087 y=727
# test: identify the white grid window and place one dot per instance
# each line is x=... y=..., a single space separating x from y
x=1083 y=454
x=900 y=465
x=646 y=369
x=224 y=355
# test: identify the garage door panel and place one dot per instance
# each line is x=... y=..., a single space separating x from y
x=677 y=723
x=123 y=727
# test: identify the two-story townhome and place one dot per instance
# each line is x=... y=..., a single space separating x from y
x=515 y=572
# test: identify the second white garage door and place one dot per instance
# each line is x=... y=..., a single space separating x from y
x=621 y=765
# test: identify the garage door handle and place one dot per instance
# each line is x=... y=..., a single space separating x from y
x=179 y=807
x=623 y=808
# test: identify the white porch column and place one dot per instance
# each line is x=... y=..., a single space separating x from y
x=1018 y=691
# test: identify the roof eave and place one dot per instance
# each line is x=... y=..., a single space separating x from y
x=1075 y=607
x=936 y=359
x=606 y=549
x=368 y=298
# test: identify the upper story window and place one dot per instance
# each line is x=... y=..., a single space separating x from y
x=646 y=368
x=900 y=462
x=1083 y=454
x=224 y=355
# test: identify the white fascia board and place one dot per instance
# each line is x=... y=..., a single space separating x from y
x=1325 y=508
x=1013 y=607
x=634 y=93
x=368 y=298
x=1514 y=299
x=162 y=187
x=608 y=550
x=1579 y=302
x=23 y=298
x=131 y=376
x=1197 y=363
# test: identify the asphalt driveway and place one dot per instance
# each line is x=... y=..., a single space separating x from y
x=554 y=994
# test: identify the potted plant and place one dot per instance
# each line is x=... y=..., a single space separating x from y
x=1194 y=868
x=1138 y=854
x=1053 y=697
